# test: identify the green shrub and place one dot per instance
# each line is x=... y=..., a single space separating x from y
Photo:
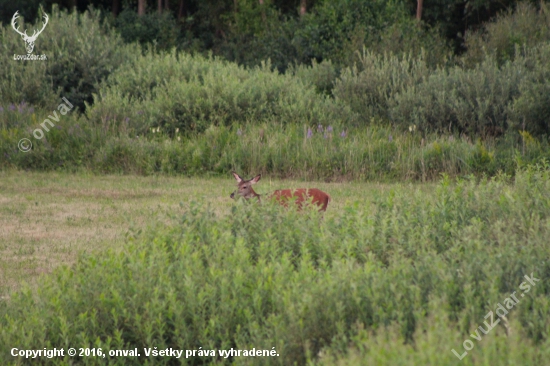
x=368 y=87
x=180 y=91
x=408 y=37
x=81 y=52
x=474 y=102
x=161 y=30
x=263 y=276
x=530 y=111
x=321 y=75
x=524 y=26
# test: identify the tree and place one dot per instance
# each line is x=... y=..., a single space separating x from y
x=115 y=7
x=419 y=9
x=141 y=7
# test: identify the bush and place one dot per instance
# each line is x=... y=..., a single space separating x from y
x=189 y=93
x=160 y=30
x=321 y=75
x=474 y=102
x=81 y=53
x=523 y=26
x=368 y=87
x=263 y=277
x=531 y=110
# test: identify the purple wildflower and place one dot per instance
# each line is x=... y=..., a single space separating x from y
x=325 y=135
x=343 y=134
x=329 y=128
x=30 y=110
x=239 y=132
x=390 y=139
x=320 y=128
x=309 y=133
x=1 y=109
x=11 y=107
x=126 y=119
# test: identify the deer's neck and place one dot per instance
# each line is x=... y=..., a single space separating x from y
x=254 y=194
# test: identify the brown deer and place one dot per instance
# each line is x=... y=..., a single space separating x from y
x=282 y=196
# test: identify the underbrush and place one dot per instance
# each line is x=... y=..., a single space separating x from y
x=412 y=269
x=330 y=152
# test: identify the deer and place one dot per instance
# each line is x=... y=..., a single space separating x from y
x=282 y=196
x=29 y=40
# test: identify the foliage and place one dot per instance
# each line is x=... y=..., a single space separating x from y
x=331 y=152
x=81 y=52
x=369 y=86
x=265 y=277
x=151 y=28
x=523 y=28
x=189 y=93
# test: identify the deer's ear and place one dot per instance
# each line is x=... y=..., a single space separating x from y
x=256 y=179
x=237 y=177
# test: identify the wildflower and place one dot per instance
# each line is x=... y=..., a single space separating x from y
x=325 y=135
x=11 y=107
x=412 y=128
x=329 y=128
x=158 y=129
x=343 y=134
x=126 y=119
x=320 y=128
x=30 y=110
x=1 y=109
x=153 y=130
x=239 y=132
x=309 y=133
x=177 y=130
x=390 y=139
x=179 y=139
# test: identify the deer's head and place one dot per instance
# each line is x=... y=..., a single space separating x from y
x=244 y=187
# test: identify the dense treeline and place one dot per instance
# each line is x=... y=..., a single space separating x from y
x=287 y=31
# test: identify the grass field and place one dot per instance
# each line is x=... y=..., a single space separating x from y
x=46 y=219
x=393 y=274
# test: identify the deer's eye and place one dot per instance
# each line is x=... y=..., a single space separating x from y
x=244 y=187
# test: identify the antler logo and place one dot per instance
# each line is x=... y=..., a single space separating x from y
x=29 y=40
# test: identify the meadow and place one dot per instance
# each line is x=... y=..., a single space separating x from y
x=116 y=227
x=393 y=273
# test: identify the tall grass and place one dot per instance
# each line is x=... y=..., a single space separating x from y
x=408 y=266
x=329 y=152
